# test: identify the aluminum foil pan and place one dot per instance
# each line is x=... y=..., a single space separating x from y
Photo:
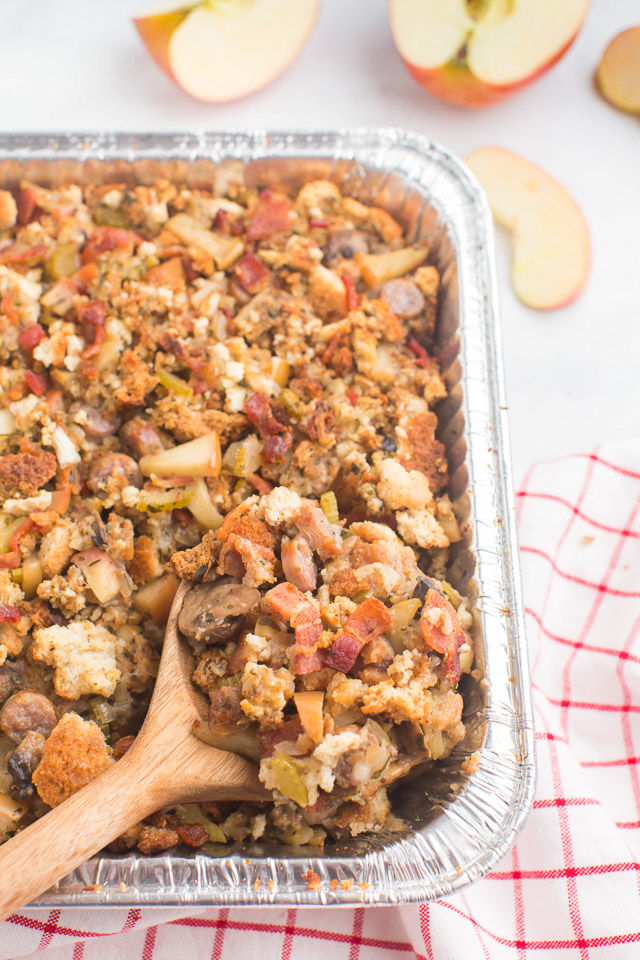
x=456 y=826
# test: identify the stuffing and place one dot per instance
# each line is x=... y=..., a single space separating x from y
x=367 y=817
x=57 y=547
x=327 y=293
x=74 y=754
x=65 y=593
x=145 y=564
x=23 y=506
x=265 y=693
x=84 y=657
x=421 y=527
x=401 y=488
x=317 y=198
x=142 y=317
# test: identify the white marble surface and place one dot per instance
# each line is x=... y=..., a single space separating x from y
x=572 y=375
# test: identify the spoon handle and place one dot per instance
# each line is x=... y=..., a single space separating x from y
x=50 y=848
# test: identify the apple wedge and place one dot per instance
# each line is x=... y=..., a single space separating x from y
x=477 y=52
x=618 y=75
x=219 y=50
x=550 y=238
x=195 y=458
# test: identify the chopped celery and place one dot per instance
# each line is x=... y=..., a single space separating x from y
x=191 y=813
x=329 y=506
x=173 y=384
x=288 y=780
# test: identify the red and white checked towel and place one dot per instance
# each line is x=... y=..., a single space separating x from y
x=570 y=888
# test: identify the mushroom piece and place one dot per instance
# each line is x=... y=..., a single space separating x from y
x=26 y=711
x=212 y=612
x=345 y=244
x=23 y=762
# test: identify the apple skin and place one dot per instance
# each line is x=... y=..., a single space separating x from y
x=155 y=32
x=454 y=83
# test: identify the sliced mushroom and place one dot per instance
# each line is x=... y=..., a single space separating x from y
x=345 y=244
x=11 y=673
x=215 y=611
x=26 y=711
x=23 y=762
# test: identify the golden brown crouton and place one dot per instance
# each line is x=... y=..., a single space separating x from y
x=156 y=839
x=198 y=563
x=145 y=564
x=22 y=474
x=74 y=755
x=140 y=381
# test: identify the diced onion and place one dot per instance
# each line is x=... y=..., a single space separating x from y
x=65 y=449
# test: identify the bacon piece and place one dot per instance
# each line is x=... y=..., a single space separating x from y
x=10 y=561
x=370 y=620
x=92 y=316
x=316 y=529
x=260 y=411
x=446 y=641
x=105 y=239
x=17 y=253
x=252 y=274
x=422 y=357
x=267 y=739
x=9 y=614
x=275 y=448
x=288 y=603
x=7 y=307
x=37 y=382
x=31 y=337
x=319 y=223
x=259 y=483
x=321 y=423
x=353 y=300
x=298 y=565
x=271 y=216
x=26 y=203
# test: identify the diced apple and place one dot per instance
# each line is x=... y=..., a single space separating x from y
x=223 y=249
x=32 y=574
x=551 y=246
x=281 y=370
x=218 y=50
x=101 y=573
x=7 y=423
x=201 y=507
x=309 y=706
x=618 y=75
x=377 y=268
x=61 y=499
x=477 y=52
x=196 y=458
x=155 y=598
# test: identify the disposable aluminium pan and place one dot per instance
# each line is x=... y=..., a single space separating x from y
x=455 y=825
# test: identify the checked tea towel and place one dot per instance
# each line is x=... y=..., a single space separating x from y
x=570 y=888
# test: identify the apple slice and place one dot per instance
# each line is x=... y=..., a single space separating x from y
x=618 y=75
x=220 y=50
x=195 y=458
x=551 y=248
x=477 y=52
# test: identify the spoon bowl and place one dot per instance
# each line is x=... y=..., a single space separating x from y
x=165 y=765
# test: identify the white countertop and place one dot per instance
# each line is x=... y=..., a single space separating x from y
x=572 y=374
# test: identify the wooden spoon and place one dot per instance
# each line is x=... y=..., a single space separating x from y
x=165 y=765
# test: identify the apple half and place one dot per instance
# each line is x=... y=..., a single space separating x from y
x=477 y=52
x=618 y=74
x=550 y=238
x=219 y=50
